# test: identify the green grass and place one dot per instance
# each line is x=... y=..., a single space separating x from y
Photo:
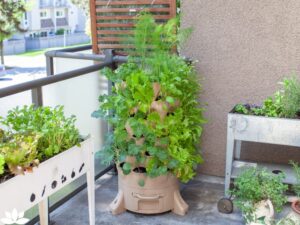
x=42 y=51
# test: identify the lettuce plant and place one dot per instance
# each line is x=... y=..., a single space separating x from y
x=56 y=132
x=33 y=135
x=154 y=107
x=20 y=152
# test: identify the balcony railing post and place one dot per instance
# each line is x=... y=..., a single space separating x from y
x=109 y=58
x=49 y=65
x=37 y=96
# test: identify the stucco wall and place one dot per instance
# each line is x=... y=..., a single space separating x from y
x=244 y=48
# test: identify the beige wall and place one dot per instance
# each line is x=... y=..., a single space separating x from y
x=244 y=48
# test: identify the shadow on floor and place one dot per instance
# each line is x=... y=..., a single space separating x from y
x=202 y=199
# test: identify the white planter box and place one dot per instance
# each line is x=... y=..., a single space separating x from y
x=24 y=191
x=260 y=129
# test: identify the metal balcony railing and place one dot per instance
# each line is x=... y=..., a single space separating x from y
x=35 y=86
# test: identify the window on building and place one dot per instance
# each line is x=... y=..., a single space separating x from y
x=59 y=13
x=43 y=14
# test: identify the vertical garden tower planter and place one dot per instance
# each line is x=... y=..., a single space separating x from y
x=157 y=195
x=24 y=191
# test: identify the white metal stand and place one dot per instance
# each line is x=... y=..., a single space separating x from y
x=263 y=130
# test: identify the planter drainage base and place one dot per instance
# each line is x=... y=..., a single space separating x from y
x=158 y=195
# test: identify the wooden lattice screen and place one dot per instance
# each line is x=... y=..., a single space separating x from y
x=113 y=20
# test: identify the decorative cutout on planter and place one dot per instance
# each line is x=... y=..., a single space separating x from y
x=32 y=197
x=54 y=184
x=63 y=179
x=44 y=189
x=81 y=167
x=73 y=174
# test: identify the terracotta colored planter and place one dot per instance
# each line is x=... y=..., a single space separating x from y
x=158 y=195
x=294 y=215
x=296 y=206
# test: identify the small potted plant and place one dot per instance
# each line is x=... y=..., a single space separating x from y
x=157 y=122
x=258 y=194
x=295 y=214
x=41 y=151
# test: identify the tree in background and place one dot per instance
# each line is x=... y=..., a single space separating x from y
x=85 y=6
x=11 y=14
x=82 y=4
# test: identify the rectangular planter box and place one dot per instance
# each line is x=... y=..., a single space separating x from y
x=260 y=129
x=24 y=191
x=264 y=129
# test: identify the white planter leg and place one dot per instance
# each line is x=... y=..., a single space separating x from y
x=90 y=177
x=43 y=212
x=237 y=152
x=229 y=154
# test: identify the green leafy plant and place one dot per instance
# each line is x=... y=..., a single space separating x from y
x=33 y=135
x=296 y=168
x=284 y=103
x=20 y=152
x=57 y=133
x=285 y=221
x=290 y=97
x=153 y=107
x=2 y=163
x=253 y=186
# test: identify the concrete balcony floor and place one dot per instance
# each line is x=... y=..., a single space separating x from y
x=202 y=197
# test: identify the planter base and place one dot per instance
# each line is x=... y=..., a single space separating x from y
x=158 y=195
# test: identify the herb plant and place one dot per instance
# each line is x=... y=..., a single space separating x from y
x=285 y=102
x=154 y=109
x=290 y=97
x=253 y=186
x=296 y=187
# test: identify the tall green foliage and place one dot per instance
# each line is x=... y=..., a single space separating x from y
x=11 y=14
x=161 y=83
x=296 y=168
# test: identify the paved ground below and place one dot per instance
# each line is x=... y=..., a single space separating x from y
x=22 y=68
x=202 y=198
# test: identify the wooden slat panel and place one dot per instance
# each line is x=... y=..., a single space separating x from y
x=114 y=46
x=125 y=17
x=116 y=10
x=115 y=32
x=112 y=39
x=140 y=2
x=107 y=16
x=93 y=26
x=115 y=24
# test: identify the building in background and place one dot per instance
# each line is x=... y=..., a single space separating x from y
x=49 y=23
x=50 y=17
